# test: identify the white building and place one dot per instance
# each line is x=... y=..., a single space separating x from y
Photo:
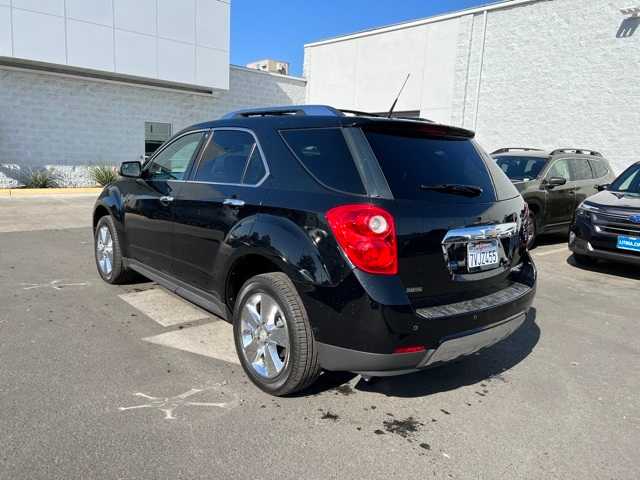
x=545 y=73
x=102 y=81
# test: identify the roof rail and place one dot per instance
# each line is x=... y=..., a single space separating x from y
x=309 y=110
x=509 y=149
x=579 y=151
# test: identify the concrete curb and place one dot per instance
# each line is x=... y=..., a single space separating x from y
x=30 y=192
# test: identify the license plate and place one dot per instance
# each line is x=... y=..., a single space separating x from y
x=482 y=254
x=629 y=243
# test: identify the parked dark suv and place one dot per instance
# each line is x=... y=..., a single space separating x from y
x=607 y=225
x=330 y=240
x=553 y=184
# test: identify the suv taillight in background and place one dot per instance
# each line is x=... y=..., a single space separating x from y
x=367 y=235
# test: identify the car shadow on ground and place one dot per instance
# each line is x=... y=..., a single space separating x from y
x=551 y=239
x=608 y=268
x=487 y=364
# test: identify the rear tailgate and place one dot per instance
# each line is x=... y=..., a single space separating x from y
x=452 y=246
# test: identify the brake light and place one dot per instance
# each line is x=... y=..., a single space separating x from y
x=411 y=349
x=367 y=235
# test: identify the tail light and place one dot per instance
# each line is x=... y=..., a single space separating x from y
x=367 y=235
x=524 y=230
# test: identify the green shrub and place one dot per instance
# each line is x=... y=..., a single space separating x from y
x=103 y=174
x=39 y=178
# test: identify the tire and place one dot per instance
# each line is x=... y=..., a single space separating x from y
x=533 y=230
x=584 y=260
x=117 y=273
x=268 y=307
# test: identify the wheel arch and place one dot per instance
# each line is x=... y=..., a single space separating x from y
x=277 y=244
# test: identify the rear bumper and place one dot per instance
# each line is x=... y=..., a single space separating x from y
x=447 y=332
x=452 y=348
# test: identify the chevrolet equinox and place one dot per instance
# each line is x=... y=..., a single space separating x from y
x=331 y=240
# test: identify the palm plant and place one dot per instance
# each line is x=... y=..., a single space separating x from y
x=103 y=174
x=39 y=178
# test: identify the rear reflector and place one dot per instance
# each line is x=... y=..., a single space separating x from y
x=411 y=349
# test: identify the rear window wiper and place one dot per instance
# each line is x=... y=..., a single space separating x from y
x=454 y=189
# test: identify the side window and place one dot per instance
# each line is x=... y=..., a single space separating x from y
x=232 y=156
x=560 y=169
x=324 y=153
x=255 y=169
x=172 y=162
x=580 y=169
x=599 y=168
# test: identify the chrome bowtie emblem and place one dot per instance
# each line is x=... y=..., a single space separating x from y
x=634 y=218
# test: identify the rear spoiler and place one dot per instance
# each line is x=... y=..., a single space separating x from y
x=409 y=127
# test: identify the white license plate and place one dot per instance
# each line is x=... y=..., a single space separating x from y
x=482 y=254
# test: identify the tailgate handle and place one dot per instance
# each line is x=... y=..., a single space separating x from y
x=486 y=232
x=234 y=202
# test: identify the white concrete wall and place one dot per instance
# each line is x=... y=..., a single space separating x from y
x=555 y=74
x=550 y=74
x=184 y=41
x=366 y=73
x=68 y=121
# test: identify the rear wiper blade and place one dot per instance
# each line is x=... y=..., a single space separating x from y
x=454 y=189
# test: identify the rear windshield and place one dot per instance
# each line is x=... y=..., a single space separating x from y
x=411 y=163
x=521 y=168
x=325 y=155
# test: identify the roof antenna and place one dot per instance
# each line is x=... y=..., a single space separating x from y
x=398 y=97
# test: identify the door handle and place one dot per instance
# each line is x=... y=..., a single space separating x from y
x=166 y=200
x=234 y=202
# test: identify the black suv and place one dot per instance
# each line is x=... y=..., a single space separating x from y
x=607 y=225
x=553 y=184
x=330 y=240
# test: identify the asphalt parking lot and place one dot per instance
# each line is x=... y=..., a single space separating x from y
x=101 y=381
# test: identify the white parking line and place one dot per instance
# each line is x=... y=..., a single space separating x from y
x=214 y=340
x=550 y=252
x=163 y=307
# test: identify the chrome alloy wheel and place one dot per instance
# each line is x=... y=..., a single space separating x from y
x=264 y=335
x=104 y=250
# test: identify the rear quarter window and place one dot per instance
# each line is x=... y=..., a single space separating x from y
x=324 y=154
x=411 y=161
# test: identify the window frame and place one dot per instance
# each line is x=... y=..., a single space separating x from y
x=195 y=157
x=212 y=131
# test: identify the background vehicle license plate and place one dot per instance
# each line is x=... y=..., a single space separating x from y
x=482 y=254
x=629 y=243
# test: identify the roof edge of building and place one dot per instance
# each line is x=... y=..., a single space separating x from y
x=262 y=72
x=103 y=76
x=422 y=21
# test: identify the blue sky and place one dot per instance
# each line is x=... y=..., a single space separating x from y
x=279 y=28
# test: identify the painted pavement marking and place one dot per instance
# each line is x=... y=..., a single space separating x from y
x=54 y=284
x=550 y=252
x=163 y=307
x=168 y=405
x=214 y=340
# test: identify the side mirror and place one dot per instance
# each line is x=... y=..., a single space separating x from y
x=555 y=182
x=602 y=187
x=131 y=169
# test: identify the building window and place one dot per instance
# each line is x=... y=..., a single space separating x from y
x=155 y=134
